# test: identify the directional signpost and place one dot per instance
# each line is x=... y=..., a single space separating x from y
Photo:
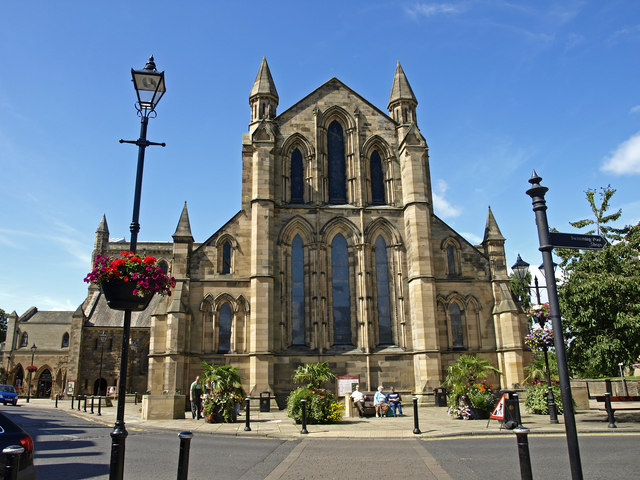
x=577 y=241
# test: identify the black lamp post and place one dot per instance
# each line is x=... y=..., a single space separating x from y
x=520 y=269
x=537 y=193
x=149 y=86
x=33 y=352
x=103 y=338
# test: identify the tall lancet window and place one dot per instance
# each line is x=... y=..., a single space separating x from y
x=377 y=179
x=297 y=177
x=457 y=338
x=382 y=282
x=297 y=292
x=337 y=164
x=226 y=258
x=341 y=293
x=224 y=333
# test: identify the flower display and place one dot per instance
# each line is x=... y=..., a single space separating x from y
x=539 y=313
x=539 y=338
x=31 y=368
x=476 y=401
x=147 y=276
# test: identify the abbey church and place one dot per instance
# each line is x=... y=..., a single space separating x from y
x=335 y=255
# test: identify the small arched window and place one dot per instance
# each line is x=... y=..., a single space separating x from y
x=377 y=179
x=163 y=266
x=65 y=340
x=341 y=291
x=297 y=292
x=226 y=258
x=24 y=340
x=224 y=332
x=457 y=337
x=337 y=164
x=297 y=177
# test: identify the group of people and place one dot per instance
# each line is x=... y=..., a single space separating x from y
x=381 y=402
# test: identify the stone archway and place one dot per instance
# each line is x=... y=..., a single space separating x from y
x=100 y=387
x=45 y=382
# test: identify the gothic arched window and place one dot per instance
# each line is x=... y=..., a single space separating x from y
x=65 y=340
x=451 y=260
x=224 y=333
x=24 y=341
x=297 y=292
x=382 y=283
x=297 y=177
x=226 y=258
x=457 y=337
x=377 y=179
x=341 y=292
x=337 y=164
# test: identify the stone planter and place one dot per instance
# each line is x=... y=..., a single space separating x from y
x=119 y=296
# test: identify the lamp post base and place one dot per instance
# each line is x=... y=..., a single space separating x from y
x=118 y=439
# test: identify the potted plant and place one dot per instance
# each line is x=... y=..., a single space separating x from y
x=129 y=281
x=221 y=403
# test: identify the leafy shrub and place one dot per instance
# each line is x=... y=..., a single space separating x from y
x=536 y=401
x=482 y=396
x=322 y=406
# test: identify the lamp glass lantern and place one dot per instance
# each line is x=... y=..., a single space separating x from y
x=520 y=268
x=149 y=85
x=103 y=337
x=34 y=348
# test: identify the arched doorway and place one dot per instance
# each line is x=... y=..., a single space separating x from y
x=100 y=387
x=19 y=378
x=44 y=384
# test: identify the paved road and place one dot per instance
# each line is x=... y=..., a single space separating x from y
x=68 y=448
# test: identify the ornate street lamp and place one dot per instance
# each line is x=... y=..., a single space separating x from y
x=103 y=338
x=33 y=352
x=150 y=87
x=520 y=269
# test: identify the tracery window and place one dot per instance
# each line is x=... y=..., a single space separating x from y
x=384 y=303
x=297 y=292
x=224 y=332
x=377 y=179
x=341 y=291
x=337 y=164
x=457 y=337
x=297 y=177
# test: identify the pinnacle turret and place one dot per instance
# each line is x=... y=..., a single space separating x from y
x=183 y=230
x=402 y=101
x=491 y=231
x=263 y=98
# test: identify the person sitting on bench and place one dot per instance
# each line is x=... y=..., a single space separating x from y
x=380 y=403
x=358 y=400
x=396 y=402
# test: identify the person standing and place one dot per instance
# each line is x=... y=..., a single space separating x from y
x=358 y=400
x=395 y=400
x=380 y=403
x=195 y=393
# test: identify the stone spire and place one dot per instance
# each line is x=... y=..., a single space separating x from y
x=183 y=231
x=263 y=98
x=491 y=231
x=101 y=240
x=103 y=227
x=402 y=101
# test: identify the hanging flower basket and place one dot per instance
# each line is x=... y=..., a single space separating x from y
x=31 y=368
x=129 y=282
x=119 y=295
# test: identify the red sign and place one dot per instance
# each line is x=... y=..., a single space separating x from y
x=498 y=412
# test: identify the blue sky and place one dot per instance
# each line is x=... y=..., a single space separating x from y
x=503 y=88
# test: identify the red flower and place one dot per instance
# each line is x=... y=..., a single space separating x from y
x=118 y=262
x=149 y=260
x=135 y=260
x=126 y=279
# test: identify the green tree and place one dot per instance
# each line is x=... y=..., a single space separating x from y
x=224 y=378
x=537 y=371
x=313 y=374
x=3 y=325
x=466 y=371
x=600 y=302
x=520 y=290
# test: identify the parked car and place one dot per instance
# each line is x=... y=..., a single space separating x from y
x=12 y=434
x=8 y=394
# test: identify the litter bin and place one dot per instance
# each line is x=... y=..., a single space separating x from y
x=265 y=402
x=441 y=396
x=511 y=419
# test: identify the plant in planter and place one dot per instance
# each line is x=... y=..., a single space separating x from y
x=130 y=281
x=536 y=400
x=222 y=402
x=322 y=405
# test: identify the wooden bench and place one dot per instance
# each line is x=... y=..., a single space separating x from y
x=607 y=398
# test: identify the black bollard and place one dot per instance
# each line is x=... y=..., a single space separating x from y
x=135 y=398
x=92 y=399
x=72 y=402
x=79 y=401
x=607 y=405
x=56 y=400
x=523 y=444
x=85 y=404
x=304 y=416
x=99 y=405
x=247 y=415
x=183 y=459
x=12 y=455
x=416 y=428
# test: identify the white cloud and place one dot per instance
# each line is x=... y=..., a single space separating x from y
x=625 y=160
x=432 y=9
x=48 y=304
x=635 y=109
x=441 y=205
x=472 y=238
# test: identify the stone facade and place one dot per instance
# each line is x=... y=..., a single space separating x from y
x=335 y=255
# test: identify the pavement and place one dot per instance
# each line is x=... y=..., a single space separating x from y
x=433 y=422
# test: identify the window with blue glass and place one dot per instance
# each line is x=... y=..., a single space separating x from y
x=384 y=302
x=224 y=332
x=297 y=292
x=337 y=164
x=297 y=177
x=341 y=292
x=226 y=258
x=457 y=337
x=377 y=179
x=451 y=260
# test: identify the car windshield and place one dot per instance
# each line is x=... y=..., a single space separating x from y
x=7 y=389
